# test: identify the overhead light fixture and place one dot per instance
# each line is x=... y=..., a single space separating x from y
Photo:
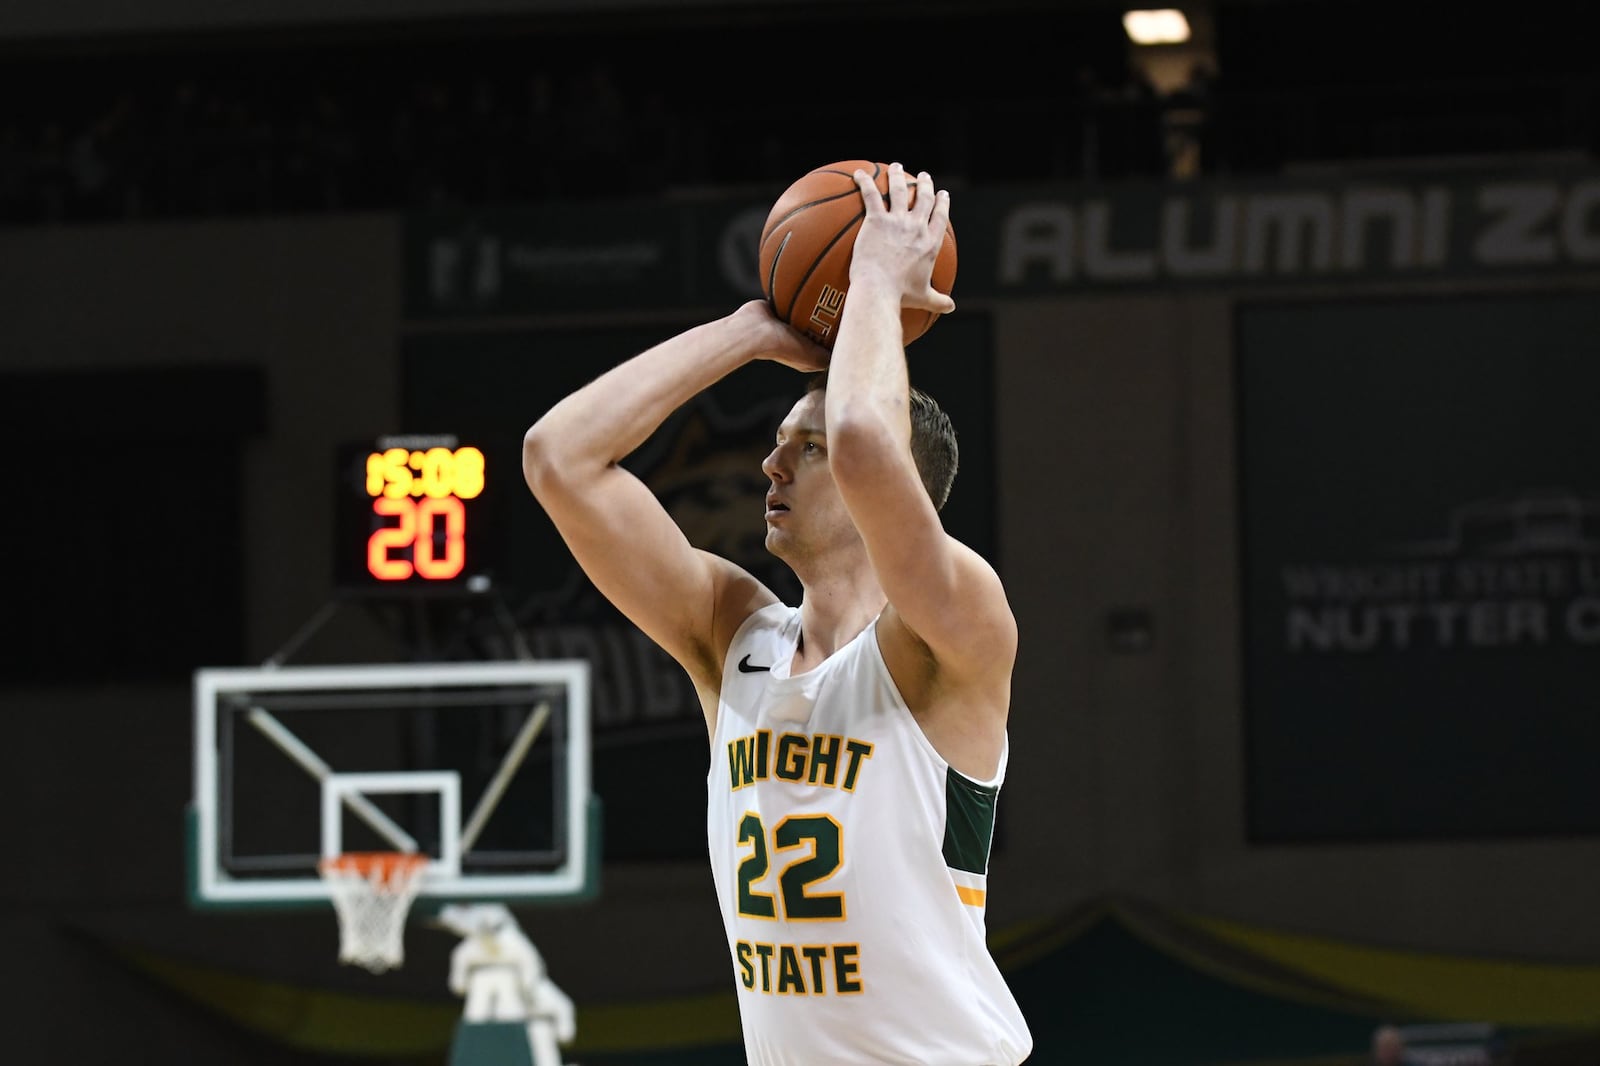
x=1160 y=26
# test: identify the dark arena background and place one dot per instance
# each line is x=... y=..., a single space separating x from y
x=1275 y=366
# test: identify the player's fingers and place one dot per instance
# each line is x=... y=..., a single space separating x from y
x=898 y=196
x=871 y=198
x=924 y=203
x=939 y=221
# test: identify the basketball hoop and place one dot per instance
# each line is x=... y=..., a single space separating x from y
x=372 y=893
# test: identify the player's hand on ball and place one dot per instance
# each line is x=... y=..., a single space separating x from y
x=900 y=241
x=781 y=342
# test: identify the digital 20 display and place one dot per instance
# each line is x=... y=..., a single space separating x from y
x=409 y=508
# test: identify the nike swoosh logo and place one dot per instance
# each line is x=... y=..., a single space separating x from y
x=746 y=668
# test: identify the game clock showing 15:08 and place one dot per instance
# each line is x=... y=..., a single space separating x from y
x=409 y=508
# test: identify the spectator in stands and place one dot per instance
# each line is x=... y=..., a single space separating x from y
x=596 y=135
x=48 y=178
x=532 y=145
x=1388 y=1046
x=14 y=173
x=1187 y=114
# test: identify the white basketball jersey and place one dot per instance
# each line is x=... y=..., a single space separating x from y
x=851 y=864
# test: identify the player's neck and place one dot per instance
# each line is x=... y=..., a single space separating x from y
x=834 y=611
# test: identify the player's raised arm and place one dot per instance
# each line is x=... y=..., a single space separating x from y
x=947 y=595
x=685 y=600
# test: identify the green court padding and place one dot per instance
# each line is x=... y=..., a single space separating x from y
x=1114 y=983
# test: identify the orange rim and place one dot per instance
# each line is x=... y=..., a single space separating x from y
x=387 y=866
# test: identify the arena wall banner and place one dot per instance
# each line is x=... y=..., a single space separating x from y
x=1420 y=564
x=1028 y=240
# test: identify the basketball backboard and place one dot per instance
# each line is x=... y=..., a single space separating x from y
x=481 y=766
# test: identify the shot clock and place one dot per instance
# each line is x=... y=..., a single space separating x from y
x=409 y=512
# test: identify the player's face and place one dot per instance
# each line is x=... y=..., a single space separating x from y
x=805 y=514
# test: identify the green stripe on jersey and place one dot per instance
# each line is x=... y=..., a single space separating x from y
x=968 y=823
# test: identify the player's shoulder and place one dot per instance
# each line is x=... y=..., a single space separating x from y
x=982 y=586
x=737 y=596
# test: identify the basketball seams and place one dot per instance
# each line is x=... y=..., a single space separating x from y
x=849 y=175
x=777 y=256
x=816 y=261
x=852 y=190
x=808 y=205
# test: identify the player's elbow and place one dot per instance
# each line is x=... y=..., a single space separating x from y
x=542 y=463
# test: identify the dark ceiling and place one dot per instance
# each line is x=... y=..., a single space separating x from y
x=981 y=91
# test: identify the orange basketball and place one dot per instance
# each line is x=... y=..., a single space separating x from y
x=806 y=246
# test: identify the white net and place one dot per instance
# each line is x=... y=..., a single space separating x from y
x=372 y=894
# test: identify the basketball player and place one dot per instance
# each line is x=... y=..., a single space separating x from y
x=858 y=741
